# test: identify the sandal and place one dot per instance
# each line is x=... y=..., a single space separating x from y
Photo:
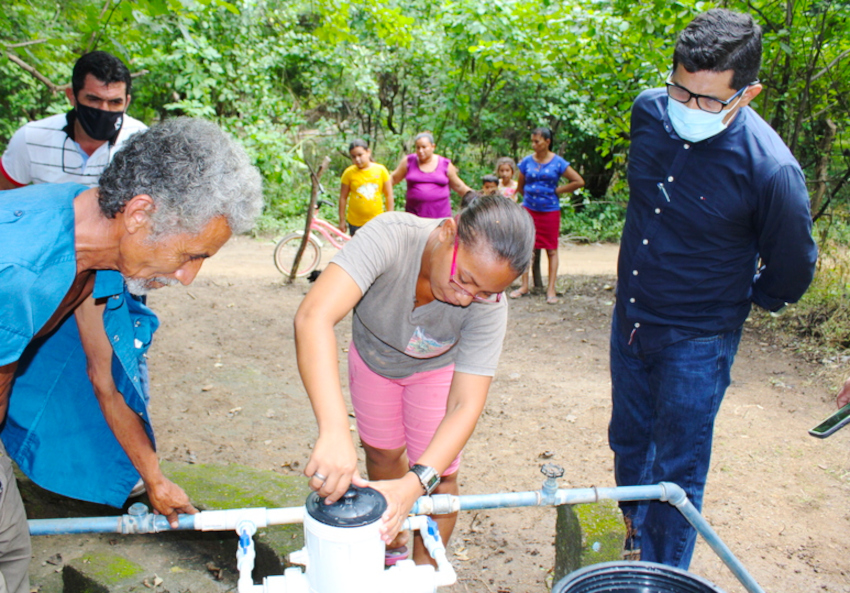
x=393 y=555
x=515 y=294
x=552 y=300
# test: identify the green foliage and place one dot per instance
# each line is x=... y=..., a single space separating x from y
x=593 y=222
x=479 y=75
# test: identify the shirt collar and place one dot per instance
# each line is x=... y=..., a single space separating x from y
x=107 y=283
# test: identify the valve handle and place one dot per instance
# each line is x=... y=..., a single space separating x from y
x=552 y=470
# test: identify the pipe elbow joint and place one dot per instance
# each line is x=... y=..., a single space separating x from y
x=673 y=493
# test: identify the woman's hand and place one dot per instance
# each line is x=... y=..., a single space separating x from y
x=401 y=495
x=332 y=468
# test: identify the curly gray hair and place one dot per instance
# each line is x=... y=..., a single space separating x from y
x=193 y=172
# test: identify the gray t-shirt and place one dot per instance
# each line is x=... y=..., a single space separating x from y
x=396 y=340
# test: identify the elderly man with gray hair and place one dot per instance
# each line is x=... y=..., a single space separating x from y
x=73 y=338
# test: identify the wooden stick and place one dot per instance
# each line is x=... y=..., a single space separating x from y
x=314 y=193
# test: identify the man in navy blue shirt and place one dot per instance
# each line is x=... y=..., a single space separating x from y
x=718 y=218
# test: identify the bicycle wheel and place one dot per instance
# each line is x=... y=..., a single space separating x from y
x=284 y=254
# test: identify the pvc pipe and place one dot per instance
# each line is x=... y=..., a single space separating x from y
x=445 y=574
x=426 y=505
x=125 y=524
x=664 y=492
x=245 y=555
x=226 y=520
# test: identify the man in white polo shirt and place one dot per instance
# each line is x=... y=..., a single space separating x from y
x=76 y=146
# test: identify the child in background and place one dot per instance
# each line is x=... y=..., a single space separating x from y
x=489 y=185
x=506 y=171
x=368 y=184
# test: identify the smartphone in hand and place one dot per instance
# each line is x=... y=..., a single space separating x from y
x=832 y=423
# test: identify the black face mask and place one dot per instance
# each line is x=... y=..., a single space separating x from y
x=99 y=124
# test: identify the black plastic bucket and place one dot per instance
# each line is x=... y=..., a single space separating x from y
x=633 y=577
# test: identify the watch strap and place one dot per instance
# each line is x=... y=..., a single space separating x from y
x=428 y=477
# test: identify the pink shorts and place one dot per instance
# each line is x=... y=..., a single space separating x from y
x=394 y=413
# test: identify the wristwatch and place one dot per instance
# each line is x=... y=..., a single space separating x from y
x=428 y=477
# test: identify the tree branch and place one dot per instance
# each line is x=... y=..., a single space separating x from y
x=838 y=58
x=24 y=43
x=35 y=73
x=54 y=88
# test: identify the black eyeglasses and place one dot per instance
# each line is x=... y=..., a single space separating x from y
x=76 y=167
x=704 y=102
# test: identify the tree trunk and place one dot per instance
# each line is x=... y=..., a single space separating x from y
x=822 y=170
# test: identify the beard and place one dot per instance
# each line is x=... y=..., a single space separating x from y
x=142 y=286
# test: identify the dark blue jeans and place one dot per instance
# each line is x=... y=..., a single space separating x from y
x=664 y=405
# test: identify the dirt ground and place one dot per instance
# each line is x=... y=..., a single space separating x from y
x=226 y=390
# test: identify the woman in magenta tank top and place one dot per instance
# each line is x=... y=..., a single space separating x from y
x=429 y=178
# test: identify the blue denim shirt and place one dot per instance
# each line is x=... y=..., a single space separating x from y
x=700 y=216
x=55 y=429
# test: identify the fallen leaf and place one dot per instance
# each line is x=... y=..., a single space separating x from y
x=157 y=581
x=55 y=560
x=207 y=387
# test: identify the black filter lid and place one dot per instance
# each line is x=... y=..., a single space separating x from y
x=357 y=507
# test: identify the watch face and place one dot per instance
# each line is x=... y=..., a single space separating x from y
x=428 y=477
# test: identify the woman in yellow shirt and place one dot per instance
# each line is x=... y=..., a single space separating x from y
x=367 y=184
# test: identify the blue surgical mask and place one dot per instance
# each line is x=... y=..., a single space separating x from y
x=695 y=125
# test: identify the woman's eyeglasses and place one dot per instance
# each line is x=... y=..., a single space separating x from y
x=489 y=298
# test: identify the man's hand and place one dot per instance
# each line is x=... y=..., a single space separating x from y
x=844 y=395
x=169 y=499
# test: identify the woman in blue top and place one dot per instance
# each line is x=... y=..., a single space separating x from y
x=539 y=176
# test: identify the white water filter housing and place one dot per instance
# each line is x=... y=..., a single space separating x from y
x=343 y=559
x=344 y=549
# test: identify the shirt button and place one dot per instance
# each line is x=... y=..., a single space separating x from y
x=637 y=325
x=646 y=241
x=19 y=212
x=115 y=338
x=634 y=272
x=138 y=323
x=658 y=210
x=670 y=179
x=687 y=146
x=631 y=300
x=116 y=297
